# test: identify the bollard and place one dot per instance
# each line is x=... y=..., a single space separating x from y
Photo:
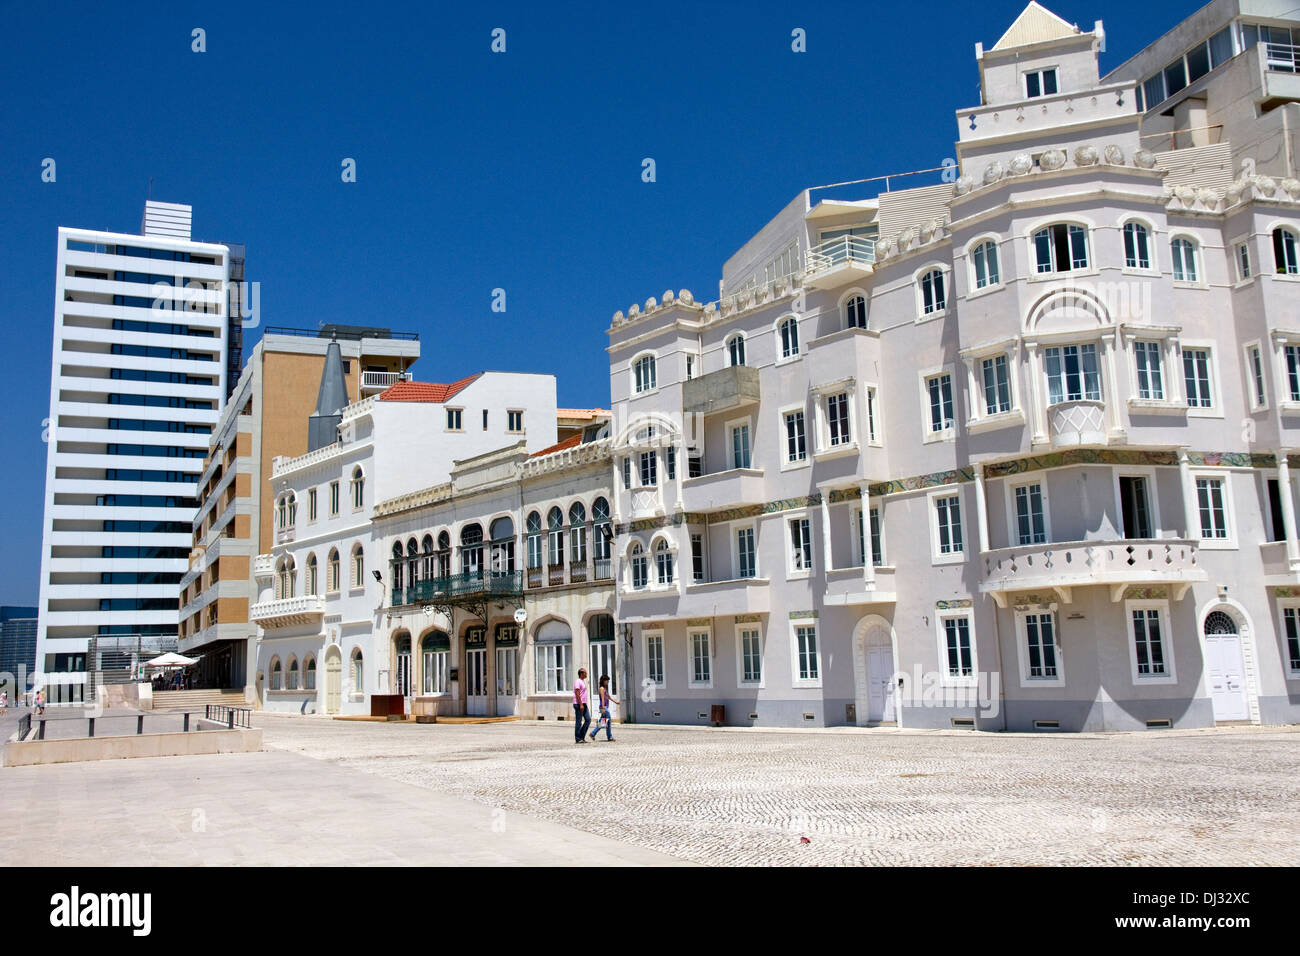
x=187 y=722
x=92 y=725
x=139 y=724
x=40 y=734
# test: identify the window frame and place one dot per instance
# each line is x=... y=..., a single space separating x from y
x=973 y=260
x=1040 y=73
x=809 y=556
x=1228 y=541
x=782 y=356
x=1166 y=642
x=741 y=681
x=1215 y=408
x=949 y=431
x=735 y=532
x=1198 y=281
x=1088 y=268
x=734 y=346
x=637 y=377
x=1283 y=605
x=946 y=677
x=456 y=415
x=1256 y=375
x=691 y=679
x=728 y=428
x=1013 y=513
x=652 y=638
x=846 y=301
x=937 y=309
x=937 y=556
x=1022 y=643
x=796 y=653
x=784 y=414
x=1146 y=230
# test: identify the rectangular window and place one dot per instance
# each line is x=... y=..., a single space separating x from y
x=1257 y=372
x=800 y=545
x=1243 y=261
x=701 y=659
x=1030 y=528
x=697 y=557
x=454 y=419
x=751 y=657
x=1040 y=83
x=1196 y=377
x=1293 y=371
x=690 y=367
x=311 y=504
x=1072 y=374
x=515 y=420
x=959 y=658
x=1040 y=632
x=627 y=474
x=740 y=451
x=796 y=449
x=941 y=413
x=1148 y=643
x=837 y=418
x=872 y=435
x=334 y=499
x=1060 y=248
x=654 y=658
x=1209 y=499
x=997 y=385
x=649 y=469
x=745 y=556
x=877 y=541
x=1289 y=618
x=485 y=419
x=553 y=662
x=1150 y=383
x=948 y=514
x=670 y=461
x=806 y=648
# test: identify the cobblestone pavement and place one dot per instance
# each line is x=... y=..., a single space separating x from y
x=885 y=797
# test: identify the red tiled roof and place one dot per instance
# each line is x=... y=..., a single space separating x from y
x=571 y=442
x=423 y=391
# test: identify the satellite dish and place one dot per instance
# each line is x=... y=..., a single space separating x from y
x=520 y=616
x=428 y=610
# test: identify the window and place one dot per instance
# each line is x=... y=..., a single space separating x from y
x=1150 y=653
x=276 y=675
x=555 y=537
x=873 y=435
x=654 y=658
x=1042 y=653
x=627 y=474
x=783 y=265
x=690 y=367
x=796 y=449
x=1292 y=625
x=1030 y=526
x=789 y=334
x=958 y=652
x=358 y=671
x=1040 y=83
x=358 y=489
x=334 y=499
x=1183 y=253
x=1196 y=378
x=740 y=451
x=1292 y=353
x=997 y=385
x=640 y=579
x=1150 y=383
x=1072 y=374
x=311 y=574
x=534 y=526
x=877 y=539
x=454 y=419
x=293 y=674
x=1256 y=359
x=697 y=557
x=644 y=374
x=746 y=565
x=1137 y=246
x=333 y=571
x=1210 y=503
x=649 y=469
x=602 y=534
x=751 y=656
x=1060 y=248
x=855 y=312
x=800 y=545
x=577 y=534
x=939 y=388
x=293 y=509
x=807 y=654
x=670 y=461
x=701 y=660
x=947 y=509
x=736 y=350
x=311 y=504
x=933 y=299
x=485 y=419
x=1242 y=258
x=514 y=420
x=837 y=419
x=358 y=567
x=663 y=563
x=436 y=650
x=553 y=662
x=1284 y=254
x=985 y=260
x=309 y=674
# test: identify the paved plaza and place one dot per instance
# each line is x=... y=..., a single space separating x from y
x=349 y=792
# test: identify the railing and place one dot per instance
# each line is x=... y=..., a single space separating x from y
x=578 y=573
x=603 y=569
x=1216 y=130
x=345 y=333
x=534 y=577
x=1281 y=57
x=834 y=252
x=1081 y=422
x=232 y=717
x=297 y=608
x=1087 y=562
x=470 y=584
x=381 y=379
x=554 y=574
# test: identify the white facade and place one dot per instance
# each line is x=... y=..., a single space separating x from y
x=138 y=380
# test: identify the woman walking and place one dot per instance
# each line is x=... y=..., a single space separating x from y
x=604 y=712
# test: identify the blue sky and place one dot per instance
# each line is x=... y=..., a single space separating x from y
x=475 y=170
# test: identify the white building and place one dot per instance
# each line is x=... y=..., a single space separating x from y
x=139 y=376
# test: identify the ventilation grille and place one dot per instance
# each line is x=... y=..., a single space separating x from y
x=753 y=716
x=965 y=723
x=1162 y=723
x=1047 y=725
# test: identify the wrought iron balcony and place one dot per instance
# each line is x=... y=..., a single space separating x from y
x=467 y=586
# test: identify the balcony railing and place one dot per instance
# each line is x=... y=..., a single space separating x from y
x=469 y=585
x=1082 y=563
x=857 y=250
x=380 y=380
x=1071 y=424
x=285 y=612
x=555 y=575
x=1281 y=57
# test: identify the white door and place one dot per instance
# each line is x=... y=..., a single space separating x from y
x=507 y=681
x=602 y=664
x=1226 y=676
x=476 y=682
x=333 y=680
x=880 y=685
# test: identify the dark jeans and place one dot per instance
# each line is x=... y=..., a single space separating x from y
x=581 y=721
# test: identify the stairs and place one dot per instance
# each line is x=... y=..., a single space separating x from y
x=193 y=700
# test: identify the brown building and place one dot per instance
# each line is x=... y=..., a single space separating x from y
x=265 y=418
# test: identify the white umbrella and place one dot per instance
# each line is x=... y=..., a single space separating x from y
x=171 y=660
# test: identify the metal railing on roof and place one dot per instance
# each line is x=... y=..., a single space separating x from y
x=352 y=333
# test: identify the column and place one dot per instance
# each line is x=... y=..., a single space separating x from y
x=617 y=487
x=868 y=566
x=683 y=462
x=816 y=423
x=975 y=407
x=1190 y=515
x=1037 y=399
x=1288 y=509
x=1110 y=389
x=981 y=507
x=826 y=532
x=1174 y=375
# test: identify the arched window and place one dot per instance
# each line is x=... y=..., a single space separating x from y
x=412 y=561
x=435 y=648
x=293 y=509
x=1217 y=622
x=664 y=562
x=577 y=534
x=1137 y=246
x=333 y=571
x=984 y=260
x=503 y=545
x=644 y=375
x=397 y=566
x=426 y=557
x=471 y=549
x=287 y=576
x=277 y=676
x=1062 y=247
x=736 y=350
x=788 y=331
x=358 y=566
x=534 y=540
x=855 y=312
x=555 y=536
x=313 y=581
x=309 y=674
x=1284 y=252
x=282 y=512
x=444 y=554
x=602 y=532
x=1183 y=253
x=638 y=562
x=293 y=674
x=358 y=671
x=934 y=298
x=358 y=488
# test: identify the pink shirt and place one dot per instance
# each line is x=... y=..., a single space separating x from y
x=580 y=692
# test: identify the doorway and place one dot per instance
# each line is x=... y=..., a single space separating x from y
x=1225 y=670
x=333 y=679
x=1135 y=506
x=476 y=686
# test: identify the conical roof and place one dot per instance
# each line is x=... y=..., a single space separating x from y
x=322 y=427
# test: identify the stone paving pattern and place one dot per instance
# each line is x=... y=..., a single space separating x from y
x=873 y=797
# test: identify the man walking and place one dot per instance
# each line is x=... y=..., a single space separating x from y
x=581 y=714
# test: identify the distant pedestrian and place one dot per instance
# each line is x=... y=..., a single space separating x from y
x=581 y=713
x=4 y=702
x=40 y=702
x=605 y=712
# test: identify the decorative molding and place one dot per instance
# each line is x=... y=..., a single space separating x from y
x=802 y=615
x=953 y=605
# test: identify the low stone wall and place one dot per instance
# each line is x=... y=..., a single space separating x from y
x=31 y=752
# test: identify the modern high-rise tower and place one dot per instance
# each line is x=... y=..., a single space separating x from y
x=142 y=339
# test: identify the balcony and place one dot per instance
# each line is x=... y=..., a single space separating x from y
x=487 y=585
x=1076 y=424
x=723 y=489
x=645 y=503
x=839 y=262
x=1279 y=571
x=721 y=391
x=848 y=586
x=1061 y=566
x=595 y=572
x=288 y=612
x=378 y=381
